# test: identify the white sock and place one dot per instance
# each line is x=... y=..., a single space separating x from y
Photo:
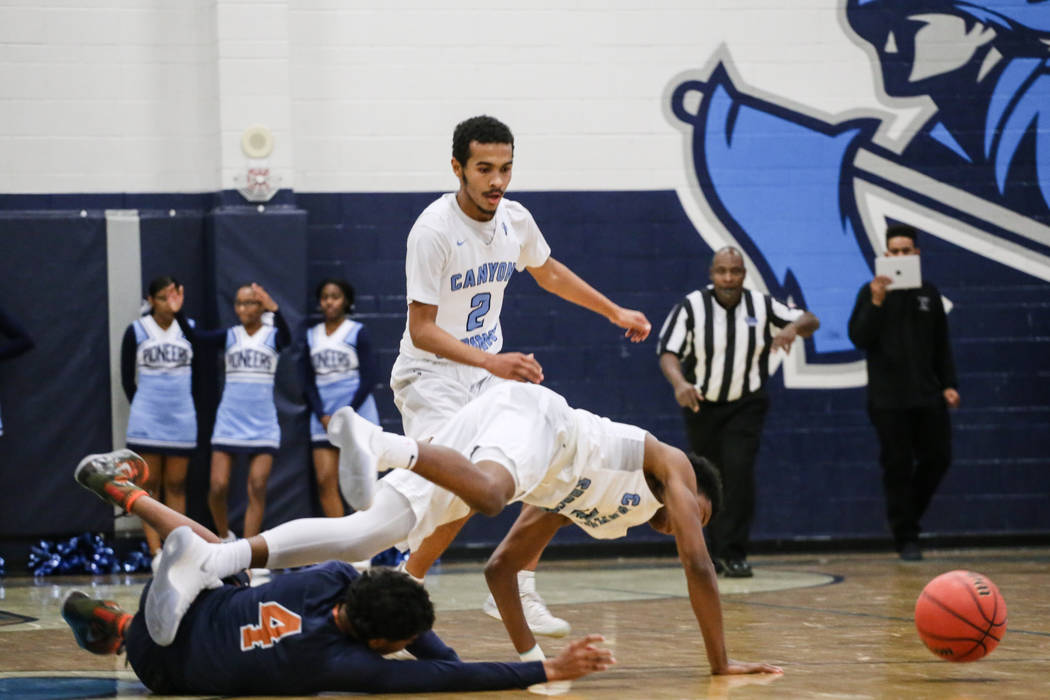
x=526 y=581
x=229 y=558
x=394 y=451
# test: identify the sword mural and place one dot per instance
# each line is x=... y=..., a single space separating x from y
x=808 y=200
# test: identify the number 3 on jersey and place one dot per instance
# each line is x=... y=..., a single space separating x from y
x=275 y=622
x=479 y=306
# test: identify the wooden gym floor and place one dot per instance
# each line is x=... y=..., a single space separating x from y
x=840 y=625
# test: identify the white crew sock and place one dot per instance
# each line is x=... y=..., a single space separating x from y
x=229 y=558
x=394 y=451
x=526 y=581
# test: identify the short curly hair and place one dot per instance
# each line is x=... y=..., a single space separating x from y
x=483 y=129
x=708 y=481
x=385 y=604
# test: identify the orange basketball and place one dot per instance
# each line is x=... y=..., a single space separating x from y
x=960 y=616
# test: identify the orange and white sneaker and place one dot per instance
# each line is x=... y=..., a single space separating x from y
x=98 y=625
x=113 y=476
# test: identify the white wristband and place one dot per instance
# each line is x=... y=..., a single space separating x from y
x=533 y=654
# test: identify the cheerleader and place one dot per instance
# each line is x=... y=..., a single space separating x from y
x=246 y=421
x=155 y=370
x=337 y=370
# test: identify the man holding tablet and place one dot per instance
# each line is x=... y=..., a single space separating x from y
x=901 y=325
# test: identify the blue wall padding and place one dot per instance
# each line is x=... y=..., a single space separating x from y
x=56 y=406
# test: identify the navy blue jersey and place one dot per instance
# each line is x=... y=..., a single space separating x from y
x=281 y=639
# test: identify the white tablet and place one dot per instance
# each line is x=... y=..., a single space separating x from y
x=904 y=270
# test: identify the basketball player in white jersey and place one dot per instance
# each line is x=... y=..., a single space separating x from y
x=517 y=442
x=461 y=252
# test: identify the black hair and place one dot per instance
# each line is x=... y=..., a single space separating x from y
x=483 y=129
x=386 y=604
x=708 y=481
x=902 y=230
x=344 y=286
x=159 y=283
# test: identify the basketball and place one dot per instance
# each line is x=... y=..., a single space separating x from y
x=960 y=616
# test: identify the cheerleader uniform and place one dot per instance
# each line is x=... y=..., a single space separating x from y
x=246 y=420
x=338 y=370
x=163 y=419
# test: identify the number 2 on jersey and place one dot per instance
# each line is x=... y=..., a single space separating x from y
x=479 y=306
x=275 y=621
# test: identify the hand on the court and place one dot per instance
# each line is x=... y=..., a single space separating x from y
x=785 y=338
x=578 y=659
x=951 y=397
x=263 y=297
x=635 y=322
x=688 y=396
x=736 y=668
x=878 y=289
x=515 y=365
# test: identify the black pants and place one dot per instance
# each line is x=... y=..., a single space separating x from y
x=915 y=451
x=728 y=434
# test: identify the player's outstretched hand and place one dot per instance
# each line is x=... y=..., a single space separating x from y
x=736 y=668
x=515 y=365
x=578 y=659
x=636 y=324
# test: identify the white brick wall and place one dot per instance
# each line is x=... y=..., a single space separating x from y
x=133 y=96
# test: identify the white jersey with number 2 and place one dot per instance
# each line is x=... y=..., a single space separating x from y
x=462 y=266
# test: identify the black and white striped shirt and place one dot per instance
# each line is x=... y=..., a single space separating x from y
x=724 y=353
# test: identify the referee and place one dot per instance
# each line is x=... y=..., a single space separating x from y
x=715 y=351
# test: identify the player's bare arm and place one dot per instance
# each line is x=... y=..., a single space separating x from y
x=553 y=276
x=684 y=520
x=805 y=326
x=686 y=394
x=526 y=539
x=427 y=335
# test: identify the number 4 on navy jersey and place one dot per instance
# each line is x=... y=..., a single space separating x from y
x=275 y=622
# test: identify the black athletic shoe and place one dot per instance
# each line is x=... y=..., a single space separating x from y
x=738 y=568
x=720 y=567
x=910 y=551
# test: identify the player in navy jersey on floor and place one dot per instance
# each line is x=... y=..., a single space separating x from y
x=323 y=628
x=246 y=421
x=516 y=442
x=156 y=372
x=337 y=368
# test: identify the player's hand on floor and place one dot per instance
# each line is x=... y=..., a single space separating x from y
x=515 y=365
x=636 y=324
x=578 y=659
x=742 y=667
